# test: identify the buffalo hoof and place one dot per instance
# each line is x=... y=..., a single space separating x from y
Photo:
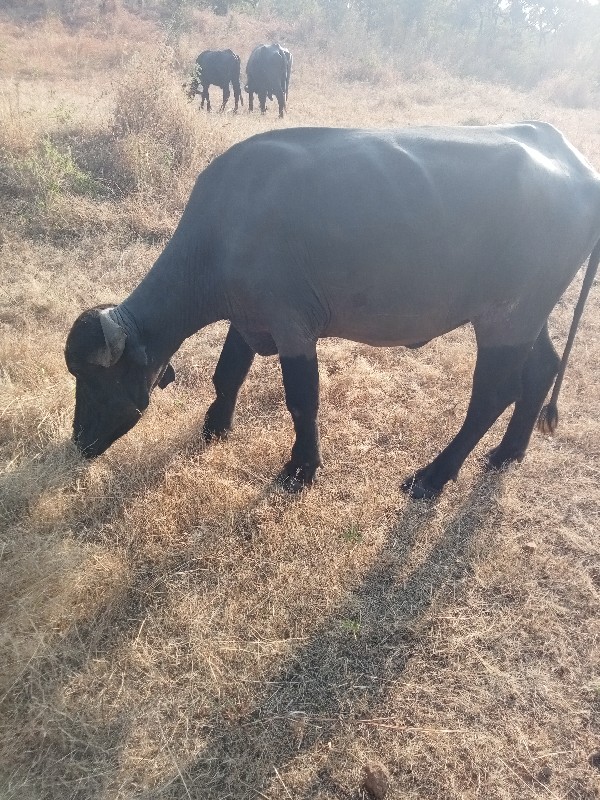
x=217 y=423
x=214 y=434
x=498 y=459
x=420 y=487
x=294 y=478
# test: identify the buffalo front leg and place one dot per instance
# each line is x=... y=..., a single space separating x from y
x=234 y=363
x=496 y=384
x=538 y=373
x=301 y=384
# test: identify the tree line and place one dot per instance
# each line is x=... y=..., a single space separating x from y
x=395 y=18
x=520 y=41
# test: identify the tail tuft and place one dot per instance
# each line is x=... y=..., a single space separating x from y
x=548 y=419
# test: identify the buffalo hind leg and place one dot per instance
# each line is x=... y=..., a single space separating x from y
x=496 y=384
x=234 y=363
x=205 y=97
x=280 y=100
x=301 y=384
x=538 y=373
x=226 y=95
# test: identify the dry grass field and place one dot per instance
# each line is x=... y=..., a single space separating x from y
x=173 y=626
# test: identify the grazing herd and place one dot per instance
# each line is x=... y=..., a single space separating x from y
x=268 y=75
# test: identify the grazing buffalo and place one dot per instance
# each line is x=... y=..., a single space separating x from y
x=268 y=72
x=429 y=229
x=221 y=68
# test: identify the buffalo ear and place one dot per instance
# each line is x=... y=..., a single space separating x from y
x=114 y=342
x=167 y=377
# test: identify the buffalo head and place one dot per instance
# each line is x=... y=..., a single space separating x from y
x=114 y=379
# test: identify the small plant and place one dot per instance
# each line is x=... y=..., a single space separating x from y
x=351 y=627
x=353 y=533
x=63 y=115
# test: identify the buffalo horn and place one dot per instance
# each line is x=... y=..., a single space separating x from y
x=115 y=338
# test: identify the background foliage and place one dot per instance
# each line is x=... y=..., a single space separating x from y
x=519 y=41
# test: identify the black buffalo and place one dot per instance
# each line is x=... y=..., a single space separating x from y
x=218 y=67
x=428 y=229
x=268 y=72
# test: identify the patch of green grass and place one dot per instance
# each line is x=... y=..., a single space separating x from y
x=351 y=627
x=353 y=533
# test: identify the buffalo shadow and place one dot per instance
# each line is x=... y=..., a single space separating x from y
x=306 y=687
x=241 y=756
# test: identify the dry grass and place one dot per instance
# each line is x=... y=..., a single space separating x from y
x=175 y=627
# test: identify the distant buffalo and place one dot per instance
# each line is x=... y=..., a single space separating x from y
x=221 y=68
x=268 y=71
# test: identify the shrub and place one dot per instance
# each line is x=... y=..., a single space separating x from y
x=363 y=70
x=153 y=124
x=49 y=171
x=570 y=90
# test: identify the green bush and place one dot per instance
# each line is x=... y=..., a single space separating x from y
x=48 y=171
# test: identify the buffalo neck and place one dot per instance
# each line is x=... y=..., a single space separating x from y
x=176 y=298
